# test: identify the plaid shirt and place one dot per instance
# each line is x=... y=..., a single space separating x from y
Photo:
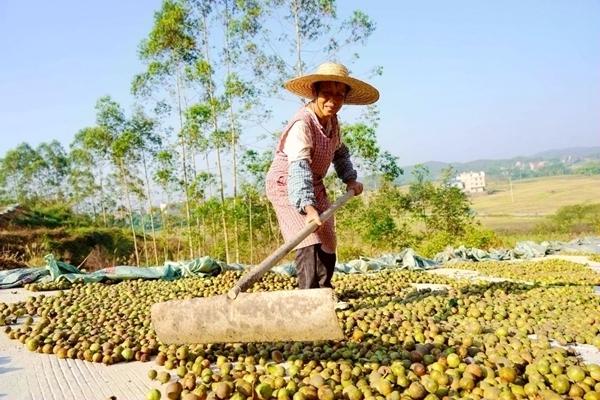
x=300 y=178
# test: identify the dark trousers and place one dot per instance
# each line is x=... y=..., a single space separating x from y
x=315 y=267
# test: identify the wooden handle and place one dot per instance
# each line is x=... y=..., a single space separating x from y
x=257 y=272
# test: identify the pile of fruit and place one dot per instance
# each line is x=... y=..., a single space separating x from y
x=471 y=341
x=545 y=272
x=594 y=257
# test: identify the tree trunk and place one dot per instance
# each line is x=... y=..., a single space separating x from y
x=185 y=180
x=165 y=229
x=232 y=122
x=130 y=211
x=250 y=230
x=144 y=240
x=102 y=203
x=271 y=229
x=94 y=212
x=222 y=196
x=148 y=196
x=211 y=95
x=296 y=11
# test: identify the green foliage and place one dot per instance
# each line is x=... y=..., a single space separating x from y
x=577 y=218
x=362 y=141
x=28 y=174
x=481 y=238
x=474 y=236
x=51 y=215
x=367 y=156
x=257 y=164
x=442 y=208
x=434 y=243
x=590 y=168
x=172 y=34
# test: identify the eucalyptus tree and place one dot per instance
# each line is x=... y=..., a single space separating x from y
x=52 y=170
x=165 y=175
x=256 y=165
x=28 y=174
x=199 y=186
x=168 y=50
x=317 y=29
x=82 y=180
x=150 y=143
x=197 y=124
x=204 y=72
x=18 y=168
x=89 y=175
x=123 y=141
x=241 y=23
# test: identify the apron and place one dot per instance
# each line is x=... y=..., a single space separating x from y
x=290 y=220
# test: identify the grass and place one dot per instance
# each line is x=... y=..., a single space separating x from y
x=534 y=200
x=537 y=197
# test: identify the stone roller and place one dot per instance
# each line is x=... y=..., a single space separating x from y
x=238 y=317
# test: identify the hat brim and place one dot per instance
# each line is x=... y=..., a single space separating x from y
x=360 y=93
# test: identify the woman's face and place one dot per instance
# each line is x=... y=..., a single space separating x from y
x=329 y=98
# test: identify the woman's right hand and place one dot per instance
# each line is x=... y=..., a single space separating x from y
x=312 y=215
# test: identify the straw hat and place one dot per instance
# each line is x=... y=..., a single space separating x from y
x=360 y=92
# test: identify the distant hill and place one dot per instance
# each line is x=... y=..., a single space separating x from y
x=546 y=163
x=582 y=152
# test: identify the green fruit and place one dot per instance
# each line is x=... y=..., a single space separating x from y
x=575 y=373
x=507 y=374
x=153 y=394
x=561 y=384
x=32 y=344
x=223 y=389
x=324 y=393
x=244 y=387
x=453 y=360
x=263 y=391
x=283 y=394
x=592 y=396
x=309 y=392
x=164 y=377
x=127 y=354
x=181 y=371
x=351 y=392
x=416 y=390
x=152 y=374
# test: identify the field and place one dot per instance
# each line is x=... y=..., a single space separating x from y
x=537 y=197
x=532 y=200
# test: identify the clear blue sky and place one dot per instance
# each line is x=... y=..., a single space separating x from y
x=462 y=80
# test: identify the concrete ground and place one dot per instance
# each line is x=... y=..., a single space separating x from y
x=26 y=375
x=32 y=376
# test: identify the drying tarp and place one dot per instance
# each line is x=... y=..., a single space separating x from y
x=206 y=266
x=523 y=250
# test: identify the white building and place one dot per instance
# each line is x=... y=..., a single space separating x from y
x=471 y=182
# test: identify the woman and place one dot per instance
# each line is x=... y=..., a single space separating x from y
x=309 y=144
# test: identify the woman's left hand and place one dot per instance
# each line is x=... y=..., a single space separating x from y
x=356 y=186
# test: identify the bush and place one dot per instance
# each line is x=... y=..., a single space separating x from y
x=474 y=236
x=577 y=219
x=53 y=215
x=481 y=238
x=434 y=243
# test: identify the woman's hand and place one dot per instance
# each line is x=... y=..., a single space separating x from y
x=312 y=215
x=356 y=186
